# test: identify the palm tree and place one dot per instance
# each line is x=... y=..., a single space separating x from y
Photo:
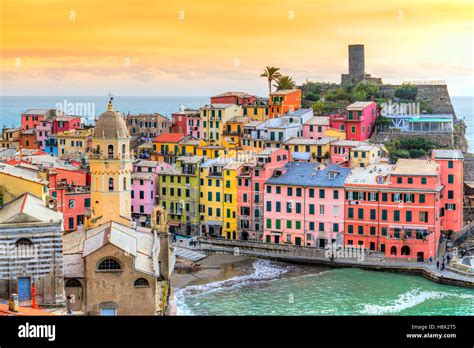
x=285 y=82
x=272 y=74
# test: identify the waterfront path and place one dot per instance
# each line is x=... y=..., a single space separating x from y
x=308 y=255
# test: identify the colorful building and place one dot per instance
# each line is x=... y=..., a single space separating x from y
x=218 y=204
x=358 y=121
x=401 y=209
x=340 y=151
x=304 y=205
x=74 y=141
x=238 y=98
x=28 y=139
x=10 y=138
x=145 y=189
x=181 y=120
x=284 y=101
x=315 y=127
x=250 y=191
x=32 y=117
x=364 y=155
x=147 y=126
x=180 y=194
x=214 y=117
x=309 y=150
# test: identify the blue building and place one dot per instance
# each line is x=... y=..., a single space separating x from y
x=51 y=145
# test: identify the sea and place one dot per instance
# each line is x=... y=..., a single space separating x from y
x=11 y=107
x=274 y=288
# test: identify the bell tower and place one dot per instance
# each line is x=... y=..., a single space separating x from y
x=111 y=169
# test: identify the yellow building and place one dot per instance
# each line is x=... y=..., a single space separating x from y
x=213 y=119
x=250 y=140
x=10 y=138
x=218 y=201
x=310 y=150
x=15 y=181
x=111 y=169
x=363 y=155
x=74 y=141
x=256 y=112
x=233 y=131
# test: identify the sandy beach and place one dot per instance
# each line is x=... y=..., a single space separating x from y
x=213 y=268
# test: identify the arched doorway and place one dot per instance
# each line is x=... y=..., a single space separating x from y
x=393 y=250
x=405 y=250
x=73 y=289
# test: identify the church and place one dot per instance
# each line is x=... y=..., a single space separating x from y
x=112 y=267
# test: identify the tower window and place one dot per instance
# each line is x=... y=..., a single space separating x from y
x=111 y=184
x=110 y=151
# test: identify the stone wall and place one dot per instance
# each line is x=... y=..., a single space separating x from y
x=441 y=140
x=436 y=96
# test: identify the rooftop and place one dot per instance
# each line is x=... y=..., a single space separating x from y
x=301 y=141
x=252 y=123
x=368 y=175
x=39 y=111
x=448 y=154
x=169 y=138
x=21 y=173
x=360 y=105
x=309 y=174
x=233 y=94
x=28 y=208
x=217 y=106
x=348 y=143
x=285 y=91
x=408 y=166
x=318 y=121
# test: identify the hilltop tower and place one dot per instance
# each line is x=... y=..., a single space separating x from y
x=111 y=169
x=357 y=67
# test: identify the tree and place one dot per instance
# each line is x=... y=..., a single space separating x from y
x=271 y=74
x=319 y=107
x=285 y=82
x=406 y=92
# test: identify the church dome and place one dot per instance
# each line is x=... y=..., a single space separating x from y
x=111 y=124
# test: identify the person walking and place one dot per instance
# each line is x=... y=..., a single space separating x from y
x=437 y=264
x=442 y=266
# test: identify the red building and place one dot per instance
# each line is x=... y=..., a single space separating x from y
x=181 y=120
x=239 y=98
x=65 y=123
x=31 y=118
x=358 y=121
x=402 y=209
x=283 y=101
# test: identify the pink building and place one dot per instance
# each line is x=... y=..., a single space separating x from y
x=145 y=189
x=315 y=127
x=54 y=124
x=304 y=205
x=194 y=125
x=250 y=190
x=358 y=121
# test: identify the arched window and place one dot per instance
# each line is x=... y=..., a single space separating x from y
x=393 y=250
x=124 y=148
x=73 y=283
x=141 y=283
x=110 y=151
x=111 y=184
x=97 y=150
x=109 y=265
x=23 y=242
x=405 y=250
x=124 y=183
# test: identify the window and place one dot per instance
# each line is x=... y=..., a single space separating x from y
x=360 y=213
x=360 y=229
x=450 y=164
x=269 y=189
x=423 y=181
x=350 y=213
x=298 y=192
x=72 y=283
x=321 y=209
x=399 y=180
x=269 y=223
x=372 y=214
x=384 y=215
x=423 y=216
x=422 y=198
x=321 y=226
x=311 y=193
x=290 y=191
x=450 y=179
x=298 y=225
x=269 y=206
x=23 y=242
x=141 y=283
x=396 y=215
x=450 y=194
x=278 y=207
x=350 y=229
x=408 y=216
x=278 y=224
x=108 y=265
x=311 y=209
x=321 y=193
x=288 y=224
x=72 y=203
x=336 y=194
x=111 y=184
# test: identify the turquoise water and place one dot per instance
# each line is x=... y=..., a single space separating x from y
x=278 y=289
x=464 y=108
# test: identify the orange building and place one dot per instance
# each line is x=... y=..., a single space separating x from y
x=283 y=101
x=28 y=139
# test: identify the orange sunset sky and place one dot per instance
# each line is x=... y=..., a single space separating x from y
x=204 y=47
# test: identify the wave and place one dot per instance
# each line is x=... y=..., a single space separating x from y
x=264 y=270
x=407 y=300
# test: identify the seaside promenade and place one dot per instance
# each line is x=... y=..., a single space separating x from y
x=316 y=256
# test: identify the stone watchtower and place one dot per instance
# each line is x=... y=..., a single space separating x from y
x=356 y=62
x=357 y=67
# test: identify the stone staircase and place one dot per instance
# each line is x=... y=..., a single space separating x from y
x=190 y=255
